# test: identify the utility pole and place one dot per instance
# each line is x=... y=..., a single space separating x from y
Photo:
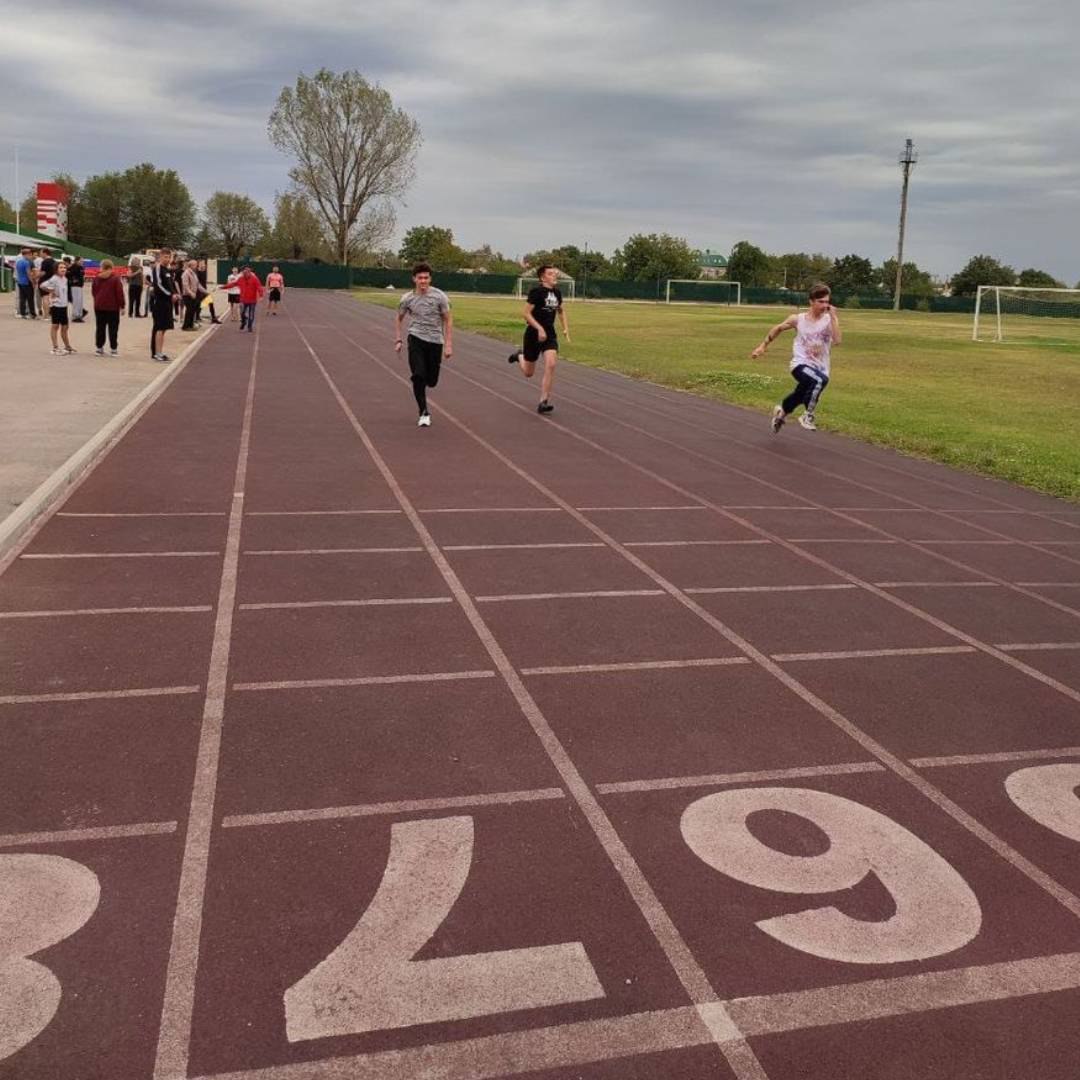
x=585 y=274
x=907 y=163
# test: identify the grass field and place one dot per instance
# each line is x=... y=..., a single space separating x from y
x=912 y=381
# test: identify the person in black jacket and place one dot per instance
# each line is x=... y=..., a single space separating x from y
x=135 y=291
x=76 y=281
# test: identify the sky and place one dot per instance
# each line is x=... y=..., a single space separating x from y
x=585 y=122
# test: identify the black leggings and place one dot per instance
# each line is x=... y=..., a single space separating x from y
x=425 y=360
x=134 y=300
x=811 y=385
x=107 y=321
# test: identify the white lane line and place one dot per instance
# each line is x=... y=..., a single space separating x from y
x=332 y=551
x=989 y=759
x=314 y=513
x=967 y=540
x=612 y=509
x=567 y=1046
x=105 y=611
x=642 y=665
x=96 y=695
x=838 y=540
x=600 y=593
x=146 y=514
x=692 y=543
x=665 y=783
x=1035 y=646
x=391 y=602
x=174 y=1034
x=1049 y=584
x=492 y=510
x=103 y=832
x=758 y=506
x=860 y=654
x=937 y=584
x=405 y=806
x=1055 y=543
x=124 y=555
x=364 y=680
x=513 y=547
x=710 y=589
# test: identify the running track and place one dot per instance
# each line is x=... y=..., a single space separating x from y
x=632 y=742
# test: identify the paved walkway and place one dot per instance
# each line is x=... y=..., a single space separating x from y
x=628 y=743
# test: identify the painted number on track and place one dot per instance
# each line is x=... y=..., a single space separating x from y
x=1049 y=794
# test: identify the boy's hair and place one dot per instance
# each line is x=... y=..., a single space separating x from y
x=819 y=291
x=106 y=264
x=542 y=270
x=421 y=268
x=165 y=251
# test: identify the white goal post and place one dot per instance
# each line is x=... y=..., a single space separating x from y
x=707 y=283
x=566 y=285
x=994 y=302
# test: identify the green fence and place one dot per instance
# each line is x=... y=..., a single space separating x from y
x=297 y=275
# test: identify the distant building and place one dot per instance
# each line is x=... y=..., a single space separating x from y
x=712 y=264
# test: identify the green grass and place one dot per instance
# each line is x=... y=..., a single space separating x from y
x=912 y=381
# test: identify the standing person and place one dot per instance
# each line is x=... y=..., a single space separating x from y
x=206 y=296
x=542 y=305
x=162 y=291
x=431 y=330
x=189 y=289
x=147 y=272
x=46 y=269
x=135 y=291
x=816 y=331
x=55 y=289
x=251 y=289
x=24 y=282
x=108 y=292
x=176 y=264
x=232 y=291
x=276 y=284
x=76 y=280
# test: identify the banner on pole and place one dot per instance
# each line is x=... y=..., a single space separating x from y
x=52 y=208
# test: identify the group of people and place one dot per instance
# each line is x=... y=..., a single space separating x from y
x=430 y=341
x=33 y=268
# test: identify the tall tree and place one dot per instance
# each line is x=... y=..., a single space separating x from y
x=233 y=222
x=1038 y=279
x=7 y=211
x=852 y=274
x=748 y=265
x=102 y=213
x=487 y=259
x=297 y=231
x=158 y=207
x=353 y=149
x=981 y=270
x=799 y=271
x=655 y=257
x=432 y=244
x=916 y=282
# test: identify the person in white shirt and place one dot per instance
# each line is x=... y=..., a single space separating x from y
x=816 y=331
x=232 y=292
x=57 y=292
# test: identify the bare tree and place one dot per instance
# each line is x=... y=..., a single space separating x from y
x=354 y=151
x=234 y=222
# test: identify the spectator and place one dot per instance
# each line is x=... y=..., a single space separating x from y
x=46 y=269
x=24 y=282
x=147 y=274
x=108 y=293
x=135 y=291
x=189 y=289
x=162 y=292
x=76 y=280
x=176 y=264
x=204 y=291
x=232 y=292
x=55 y=289
x=251 y=289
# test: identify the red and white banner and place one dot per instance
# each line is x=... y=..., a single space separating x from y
x=52 y=207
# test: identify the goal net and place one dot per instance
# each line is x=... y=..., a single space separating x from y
x=702 y=291
x=999 y=308
x=566 y=285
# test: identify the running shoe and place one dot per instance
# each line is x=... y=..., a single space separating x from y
x=424 y=421
x=545 y=407
x=114 y=352
x=777 y=418
x=807 y=421
x=100 y=352
x=512 y=358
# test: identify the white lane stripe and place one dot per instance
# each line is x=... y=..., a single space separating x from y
x=691 y=543
x=1038 y=645
x=492 y=510
x=707 y=590
x=96 y=695
x=313 y=513
x=513 y=547
x=613 y=509
x=332 y=551
x=859 y=654
x=405 y=806
x=102 y=832
x=124 y=555
x=364 y=680
x=105 y=611
x=666 y=783
x=642 y=665
x=395 y=601
x=838 y=540
x=989 y=759
x=598 y=594
x=146 y=514
x=974 y=543
x=1049 y=584
x=937 y=584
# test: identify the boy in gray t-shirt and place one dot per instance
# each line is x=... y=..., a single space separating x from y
x=431 y=328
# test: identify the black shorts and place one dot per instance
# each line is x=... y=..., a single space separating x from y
x=275 y=296
x=162 y=312
x=533 y=348
x=425 y=359
x=59 y=316
x=234 y=298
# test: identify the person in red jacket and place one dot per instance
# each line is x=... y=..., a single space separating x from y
x=108 y=292
x=251 y=288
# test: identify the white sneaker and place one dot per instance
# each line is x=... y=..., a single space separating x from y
x=100 y=352
x=56 y=352
x=424 y=421
x=807 y=421
x=777 y=421
x=114 y=352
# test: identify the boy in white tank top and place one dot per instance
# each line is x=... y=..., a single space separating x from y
x=816 y=331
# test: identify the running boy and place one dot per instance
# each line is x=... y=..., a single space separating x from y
x=275 y=283
x=816 y=331
x=544 y=302
x=431 y=331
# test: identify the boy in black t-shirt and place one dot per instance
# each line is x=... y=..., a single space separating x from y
x=543 y=304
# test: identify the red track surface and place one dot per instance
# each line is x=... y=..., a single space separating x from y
x=631 y=742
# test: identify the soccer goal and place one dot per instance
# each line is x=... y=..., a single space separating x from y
x=995 y=303
x=566 y=285
x=702 y=290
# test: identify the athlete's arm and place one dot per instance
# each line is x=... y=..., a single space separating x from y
x=448 y=334
x=775 y=332
x=565 y=325
x=837 y=336
x=541 y=332
x=398 y=320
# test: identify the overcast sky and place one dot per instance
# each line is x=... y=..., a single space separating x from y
x=585 y=121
